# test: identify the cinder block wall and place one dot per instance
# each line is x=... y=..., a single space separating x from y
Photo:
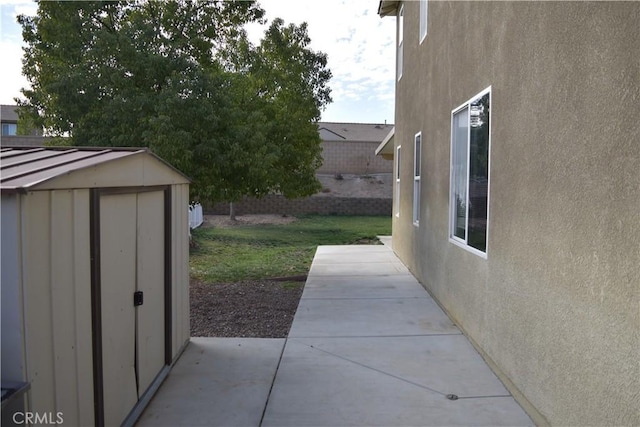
x=276 y=204
x=339 y=157
x=23 y=140
x=353 y=157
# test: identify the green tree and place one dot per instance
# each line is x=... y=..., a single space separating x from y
x=286 y=83
x=172 y=76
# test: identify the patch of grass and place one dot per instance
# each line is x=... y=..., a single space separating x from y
x=266 y=251
x=292 y=285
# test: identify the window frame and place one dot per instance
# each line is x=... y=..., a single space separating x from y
x=417 y=169
x=397 y=195
x=463 y=243
x=400 y=44
x=424 y=19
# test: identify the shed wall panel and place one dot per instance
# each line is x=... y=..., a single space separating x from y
x=183 y=263
x=51 y=246
x=132 y=170
x=63 y=303
x=180 y=265
x=175 y=293
x=36 y=208
x=117 y=285
x=57 y=303
x=12 y=331
x=150 y=316
x=82 y=281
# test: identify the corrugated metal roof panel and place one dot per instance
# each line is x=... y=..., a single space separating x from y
x=5 y=153
x=28 y=156
x=22 y=168
x=26 y=181
x=19 y=169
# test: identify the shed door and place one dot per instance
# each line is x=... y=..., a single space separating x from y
x=150 y=315
x=131 y=259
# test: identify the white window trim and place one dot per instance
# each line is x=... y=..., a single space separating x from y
x=397 y=195
x=400 y=46
x=452 y=238
x=423 y=31
x=417 y=187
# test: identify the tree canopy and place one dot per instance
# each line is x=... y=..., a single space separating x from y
x=182 y=78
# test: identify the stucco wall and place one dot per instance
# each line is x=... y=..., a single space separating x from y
x=556 y=303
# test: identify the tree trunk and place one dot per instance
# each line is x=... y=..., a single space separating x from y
x=232 y=211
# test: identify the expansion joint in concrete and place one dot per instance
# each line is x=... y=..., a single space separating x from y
x=422 y=386
x=273 y=380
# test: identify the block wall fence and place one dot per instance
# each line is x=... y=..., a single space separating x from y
x=352 y=157
x=322 y=205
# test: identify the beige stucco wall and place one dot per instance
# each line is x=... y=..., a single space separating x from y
x=556 y=304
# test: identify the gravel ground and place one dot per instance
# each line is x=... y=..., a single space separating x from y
x=252 y=308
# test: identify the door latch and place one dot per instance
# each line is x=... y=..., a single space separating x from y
x=137 y=298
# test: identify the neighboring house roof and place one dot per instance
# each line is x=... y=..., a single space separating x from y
x=35 y=168
x=385 y=149
x=363 y=132
x=8 y=113
x=388 y=8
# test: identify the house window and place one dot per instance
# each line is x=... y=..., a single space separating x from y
x=416 y=178
x=400 y=40
x=9 y=129
x=397 y=199
x=423 y=19
x=470 y=173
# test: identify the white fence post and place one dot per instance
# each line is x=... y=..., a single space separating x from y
x=195 y=215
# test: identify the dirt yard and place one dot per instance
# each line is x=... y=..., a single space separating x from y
x=223 y=221
x=251 y=308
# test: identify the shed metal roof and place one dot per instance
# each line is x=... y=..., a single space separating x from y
x=24 y=168
x=362 y=132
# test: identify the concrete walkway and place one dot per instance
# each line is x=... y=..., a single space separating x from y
x=368 y=347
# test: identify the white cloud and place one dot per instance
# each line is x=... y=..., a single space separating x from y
x=11 y=72
x=359 y=44
x=11 y=48
x=22 y=8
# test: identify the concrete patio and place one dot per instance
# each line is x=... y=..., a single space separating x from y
x=368 y=347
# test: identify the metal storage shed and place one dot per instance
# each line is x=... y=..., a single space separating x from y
x=95 y=289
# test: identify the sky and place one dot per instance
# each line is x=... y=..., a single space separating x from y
x=358 y=43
